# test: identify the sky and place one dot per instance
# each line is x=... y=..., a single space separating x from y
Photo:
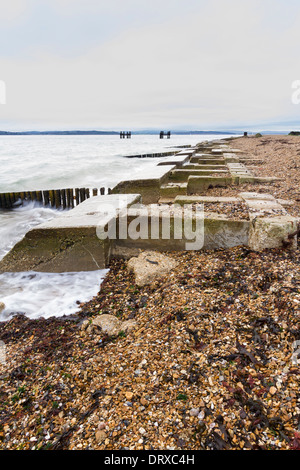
x=140 y=64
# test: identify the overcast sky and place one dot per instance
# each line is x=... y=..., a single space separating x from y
x=125 y=64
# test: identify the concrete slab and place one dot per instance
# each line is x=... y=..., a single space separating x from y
x=196 y=166
x=200 y=184
x=203 y=155
x=207 y=161
x=260 y=196
x=203 y=199
x=188 y=152
x=261 y=205
x=69 y=243
x=146 y=184
x=183 y=174
x=219 y=232
x=173 y=189
x=177 y=160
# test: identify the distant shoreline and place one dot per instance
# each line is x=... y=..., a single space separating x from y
x=12 y=133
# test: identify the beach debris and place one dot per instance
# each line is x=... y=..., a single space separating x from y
x=108 y=324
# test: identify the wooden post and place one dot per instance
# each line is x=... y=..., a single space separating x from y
x=33 y=196
x=22 y=196
x=102 y=191
x=51 y=197
x=77 y=196
x=4 y=201
x=39 y=197
x=82 y=194
x=95 y=192
x=64 y=198
x=46 y=198
x=70 y=198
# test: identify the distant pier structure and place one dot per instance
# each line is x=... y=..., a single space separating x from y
x=125 y=134
x=163 y=134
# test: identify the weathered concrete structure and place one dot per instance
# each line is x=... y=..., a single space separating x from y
x=71 y=242
x=147 y=185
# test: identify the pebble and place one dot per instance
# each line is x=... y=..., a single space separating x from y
x=100 y=436
x=194 y=412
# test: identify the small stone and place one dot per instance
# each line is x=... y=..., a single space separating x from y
x=273 y=390
x=100 y=436
x=129 y=395
x=142 y=431
x=150 y=266
x=194 y=411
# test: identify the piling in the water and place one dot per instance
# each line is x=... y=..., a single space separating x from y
x=162 y=134
x=124 y=134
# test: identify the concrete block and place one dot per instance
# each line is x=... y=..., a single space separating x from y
x=205 y=199
x=219 y=232
x=183 y=174
x=177 y=160
x=200 y=184
x=147 y=184
x=207 y=161
x=270 y=232
x=173 y=189
x=69 y=243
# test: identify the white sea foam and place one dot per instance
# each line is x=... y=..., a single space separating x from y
x=47 y=294
x=40 y=294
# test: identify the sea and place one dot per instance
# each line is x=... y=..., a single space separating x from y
x=35 y=162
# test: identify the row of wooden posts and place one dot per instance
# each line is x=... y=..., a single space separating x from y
x=57 y=198
x=162 y=134
x=125 y=134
